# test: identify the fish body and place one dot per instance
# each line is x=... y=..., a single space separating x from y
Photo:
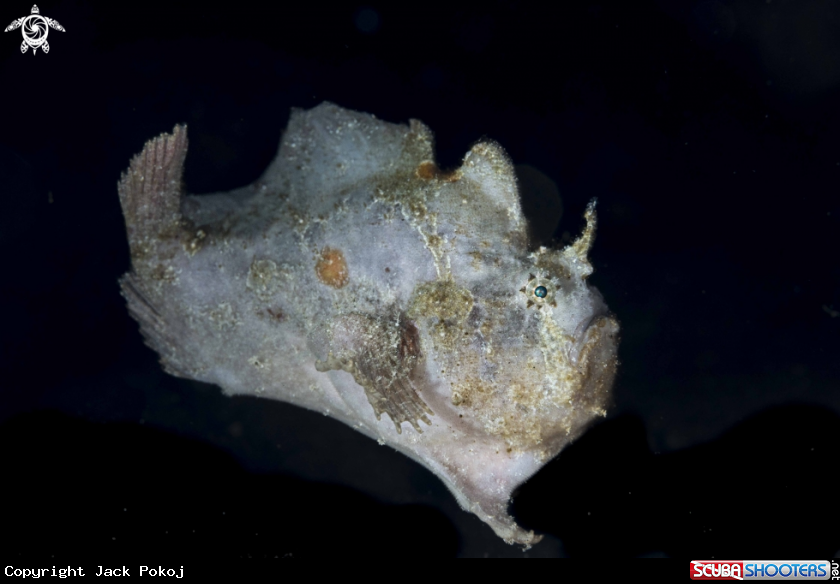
x=357 y=279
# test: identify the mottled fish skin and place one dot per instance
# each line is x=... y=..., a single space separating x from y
x=357 y=279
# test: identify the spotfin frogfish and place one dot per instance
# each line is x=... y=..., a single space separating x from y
x=358 y=279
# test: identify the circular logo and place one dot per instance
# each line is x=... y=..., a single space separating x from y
x=35 y=30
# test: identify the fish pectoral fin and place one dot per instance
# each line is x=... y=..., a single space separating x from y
x=382 y=354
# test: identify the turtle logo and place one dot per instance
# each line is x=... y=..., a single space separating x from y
x=35 y=28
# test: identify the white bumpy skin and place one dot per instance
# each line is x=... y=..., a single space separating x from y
x=357 y=279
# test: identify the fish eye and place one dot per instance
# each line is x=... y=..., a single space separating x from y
x=540 y=291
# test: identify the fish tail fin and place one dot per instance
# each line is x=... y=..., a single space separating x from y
x=151 y=191
x=158 y=334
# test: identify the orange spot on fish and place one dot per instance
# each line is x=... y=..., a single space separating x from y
x=332 y=268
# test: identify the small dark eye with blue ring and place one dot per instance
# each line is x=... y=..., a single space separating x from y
x=540 y=291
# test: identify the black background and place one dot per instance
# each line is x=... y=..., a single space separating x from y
x=707 y=130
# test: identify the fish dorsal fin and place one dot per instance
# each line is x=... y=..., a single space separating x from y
x=488 y=166
x=328 y=149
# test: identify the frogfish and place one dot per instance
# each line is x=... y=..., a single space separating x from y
x=358 y=279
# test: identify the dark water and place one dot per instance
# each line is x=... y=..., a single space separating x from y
x=708 y=132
